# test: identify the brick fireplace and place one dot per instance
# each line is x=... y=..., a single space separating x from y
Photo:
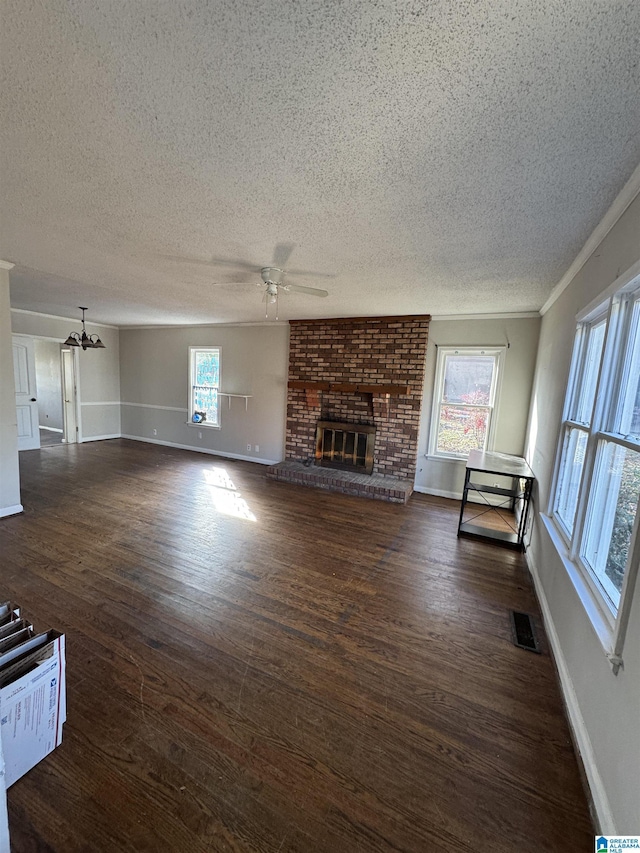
x=361 y=371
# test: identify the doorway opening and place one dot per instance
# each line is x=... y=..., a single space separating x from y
x=49 y=392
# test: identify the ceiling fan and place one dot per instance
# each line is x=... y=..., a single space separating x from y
x=274 y=278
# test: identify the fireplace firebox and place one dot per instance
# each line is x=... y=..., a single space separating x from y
x=346 y=446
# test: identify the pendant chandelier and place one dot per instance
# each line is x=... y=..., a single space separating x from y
x=76 y=339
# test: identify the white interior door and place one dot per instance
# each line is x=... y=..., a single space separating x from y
x=24 y=372
x=69 y=397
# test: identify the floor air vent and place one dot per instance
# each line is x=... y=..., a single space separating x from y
x=523 y=632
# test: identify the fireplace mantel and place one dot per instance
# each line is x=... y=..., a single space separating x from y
x=348 y=387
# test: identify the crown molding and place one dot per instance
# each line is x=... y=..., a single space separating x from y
x=204 y=325
x=58 y=317
x=524 y=315
x=622 y=201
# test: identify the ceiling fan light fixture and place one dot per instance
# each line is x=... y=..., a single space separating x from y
x=271 y=275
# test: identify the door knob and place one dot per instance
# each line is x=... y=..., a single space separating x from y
x=33 y=399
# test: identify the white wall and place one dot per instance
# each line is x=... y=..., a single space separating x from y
x=9 y=472
x=99 y=371
x=604 y=708
x=444 y=476
x=154 y=381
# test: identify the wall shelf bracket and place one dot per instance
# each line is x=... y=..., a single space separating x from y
x=245 y=397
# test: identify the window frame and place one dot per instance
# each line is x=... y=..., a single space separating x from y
x=572 y=396
x=617 y=310
x=192 y=366
x=498 y=353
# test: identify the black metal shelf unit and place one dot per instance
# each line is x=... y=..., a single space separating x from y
x=517 y=498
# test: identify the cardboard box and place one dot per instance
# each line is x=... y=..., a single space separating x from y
x=5 y=846
x=33 y=705
x=9 y=628
x=8 y=613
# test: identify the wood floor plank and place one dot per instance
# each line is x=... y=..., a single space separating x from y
x=256 y=666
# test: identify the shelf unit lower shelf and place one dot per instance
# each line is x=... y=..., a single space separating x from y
x=489 y=535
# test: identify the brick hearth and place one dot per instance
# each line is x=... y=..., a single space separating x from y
x=394 y=489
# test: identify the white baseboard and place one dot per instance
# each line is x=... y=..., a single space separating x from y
x=457 y=496
x=239 y=456
x=88 y=438
x=11 y=510
x=50 y=429
x=438 y=493
x=604 y=815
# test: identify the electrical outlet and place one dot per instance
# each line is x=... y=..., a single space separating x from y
x=199 y=433
x=257 y=448
x=155 y=431
x=249 y=448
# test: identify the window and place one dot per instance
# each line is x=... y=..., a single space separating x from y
x=204 y=384
x=464 y=401
x=597 y=485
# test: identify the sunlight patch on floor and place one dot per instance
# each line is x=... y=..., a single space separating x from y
x=224 y=495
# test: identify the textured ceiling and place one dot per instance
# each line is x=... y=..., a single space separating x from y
x=438 y=157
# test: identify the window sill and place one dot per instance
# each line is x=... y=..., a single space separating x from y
x=604 y=630
x=438 y=457
x=203 y=425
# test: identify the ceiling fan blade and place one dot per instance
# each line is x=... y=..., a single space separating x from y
x=241 y=278
x=213 y=262
x=181 y=259
x=235 y=262
x=282 y=253
x=232 y=278
x=299 y=288
x=312 y=274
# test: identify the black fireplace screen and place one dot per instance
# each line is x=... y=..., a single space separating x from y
x=348 y=447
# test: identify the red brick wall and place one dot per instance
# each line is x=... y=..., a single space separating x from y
x=367 y=350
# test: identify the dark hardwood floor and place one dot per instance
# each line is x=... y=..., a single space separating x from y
x=255 y=666
x=49 y=438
